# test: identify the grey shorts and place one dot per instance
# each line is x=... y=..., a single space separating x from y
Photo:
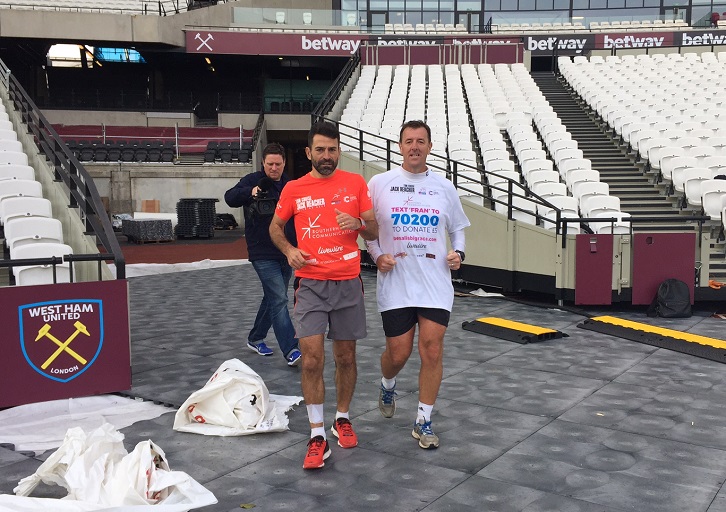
x=337 y=306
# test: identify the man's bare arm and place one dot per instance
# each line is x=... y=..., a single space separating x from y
x=371 y=230
x=295 y=257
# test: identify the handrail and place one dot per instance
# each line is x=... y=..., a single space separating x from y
x=374 y=142
x=258 y=129
x=331 y=95
x=82 y=190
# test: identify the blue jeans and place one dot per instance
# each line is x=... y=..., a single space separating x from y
x=275 y=278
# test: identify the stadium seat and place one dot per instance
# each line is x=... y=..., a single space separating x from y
x=500 y=181
x=579 y=176
x=588 y=190
x=565 y=205
x=24 y=207
x=683 y=174
x=545 y=189
x=601 y=206
x=542 y=176
x=617 y=227
x=11 y=145
x=20 y=188
x=26 y=230
x=536 y=164
x=573 y=164
x=692 y=180
x=523 y=210
x=127 y=154
x=713 y=197
x=15 y=171
x=500 y=165
x=42 y=274
x=677 y=164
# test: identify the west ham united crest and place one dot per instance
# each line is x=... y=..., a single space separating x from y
x=61 y=339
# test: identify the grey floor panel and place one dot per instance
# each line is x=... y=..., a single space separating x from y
x=600 y=357
x=612 y=468
x=586 y=423
x=719 y=502
x=477 y=494
x=13 y=473
x=517 y=389
x=681 y=416
x=471 y=436
x=680 y=372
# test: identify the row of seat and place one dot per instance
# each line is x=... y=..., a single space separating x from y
x=94 y=150
x=30 y=231
x=594 y=26
x=461 y=104
x=425 y=28
x=640 y=25
x=228 y=151
x=122 y=6
x=682 y=142
x=292 y=106
x=556 y=173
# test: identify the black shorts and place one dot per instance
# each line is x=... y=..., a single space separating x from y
x=399 y=321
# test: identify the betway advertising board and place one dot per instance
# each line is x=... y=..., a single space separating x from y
x=578 y=44
x=315 y=44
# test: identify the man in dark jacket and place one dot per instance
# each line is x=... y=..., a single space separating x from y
x=258 y=193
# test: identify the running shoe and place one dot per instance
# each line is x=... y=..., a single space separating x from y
x=343 y=430
x=293 y=358
x=387 y=401
x=260 y=348
x=426 y=437
x=318 y=451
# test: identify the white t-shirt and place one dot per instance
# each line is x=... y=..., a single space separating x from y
x=415 y=212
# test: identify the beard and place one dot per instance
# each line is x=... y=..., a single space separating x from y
x=325 y=167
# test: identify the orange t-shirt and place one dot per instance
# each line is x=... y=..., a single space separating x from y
x=334 y=253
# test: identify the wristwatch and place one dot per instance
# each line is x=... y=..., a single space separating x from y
x=362 y=224
x=461 y=255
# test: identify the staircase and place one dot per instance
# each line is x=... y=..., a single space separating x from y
x=639 y=196
x=193 y=159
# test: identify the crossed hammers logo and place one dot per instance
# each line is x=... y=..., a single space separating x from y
x=204 y=41
x=44 y=332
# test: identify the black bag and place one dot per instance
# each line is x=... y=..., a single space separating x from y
x=224 y=221
x=673 y=300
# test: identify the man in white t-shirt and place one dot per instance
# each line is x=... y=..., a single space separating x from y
x=415 y=209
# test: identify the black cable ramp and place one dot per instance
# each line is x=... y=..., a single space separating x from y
x=671 y=339
x=510 y=330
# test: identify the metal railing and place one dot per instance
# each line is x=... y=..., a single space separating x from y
x=369 y=146
x=325 y=105
x=82 y=192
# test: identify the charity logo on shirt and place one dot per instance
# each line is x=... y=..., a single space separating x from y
x=304 y=203
x=405 y=188
x=415 y=224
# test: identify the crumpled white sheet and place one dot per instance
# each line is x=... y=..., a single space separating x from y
x=42 y=426
x=234 y=402
x=481 y=293
x=99 y=474
x=150 y=269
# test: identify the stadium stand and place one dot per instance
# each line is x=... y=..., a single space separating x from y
x=155 y=145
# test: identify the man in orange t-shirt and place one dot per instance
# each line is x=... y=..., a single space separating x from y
x=330 y=207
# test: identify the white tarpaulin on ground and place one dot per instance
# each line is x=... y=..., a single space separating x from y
x=234 y=402
x=150 y=269
x=42 y=426
x=99 y=474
